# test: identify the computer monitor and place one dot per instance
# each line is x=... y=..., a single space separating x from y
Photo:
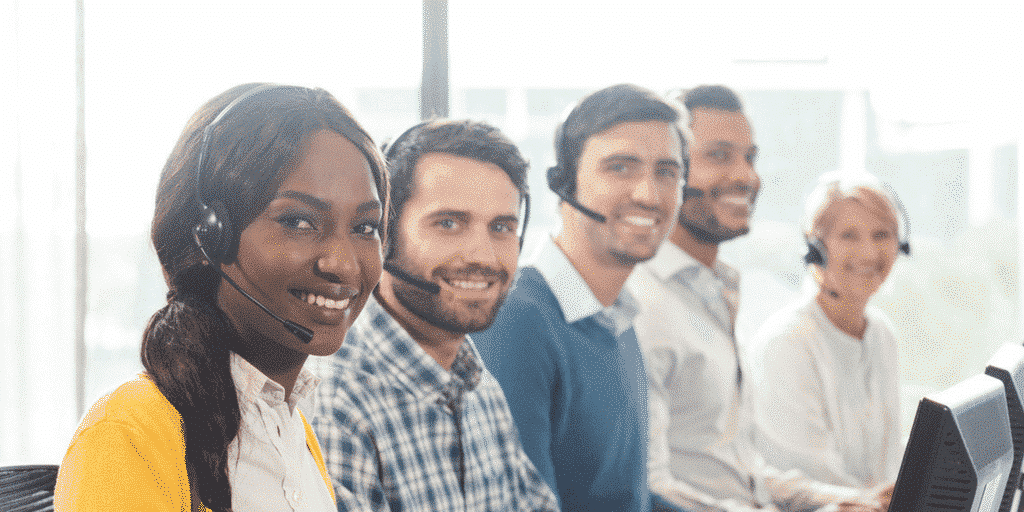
x=1007 y=365
x=960 y=451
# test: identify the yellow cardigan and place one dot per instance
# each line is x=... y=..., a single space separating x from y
x=129 y=454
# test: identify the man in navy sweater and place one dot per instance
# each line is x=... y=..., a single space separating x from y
x=563 y=346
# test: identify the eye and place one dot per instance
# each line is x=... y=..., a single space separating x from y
x=667 y=172
x=447 y=224
x=848 y=235
x=751 y=157
x=720 y=155
x=882 y=235
x=297 y=222
x=366 y=228
x=503 y=227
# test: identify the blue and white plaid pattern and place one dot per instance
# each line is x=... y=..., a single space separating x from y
x=400 y=433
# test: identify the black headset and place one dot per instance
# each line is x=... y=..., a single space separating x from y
x=563 y=183
x=213 y=234
x=817 y=253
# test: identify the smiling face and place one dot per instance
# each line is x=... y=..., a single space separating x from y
x=631 y=174
x=312 y=255
x=862 y=245
x=457 y=230
x=722 y=167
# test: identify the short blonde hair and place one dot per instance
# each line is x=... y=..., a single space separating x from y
x=861 y=187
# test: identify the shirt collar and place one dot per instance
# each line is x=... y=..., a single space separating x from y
x=573 y=294
x=672 y=261
x=252 y=385
x=378 y=333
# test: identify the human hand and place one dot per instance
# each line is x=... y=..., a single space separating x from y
x=875 y=500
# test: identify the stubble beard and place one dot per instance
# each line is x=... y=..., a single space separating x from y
x=433 y=309
x=707 y=229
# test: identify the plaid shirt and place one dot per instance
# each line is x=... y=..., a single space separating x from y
x=401 y=433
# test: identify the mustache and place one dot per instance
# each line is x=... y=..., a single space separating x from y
x=734 y=188
x=471 y=270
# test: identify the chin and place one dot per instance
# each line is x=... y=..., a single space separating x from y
x=631 y=258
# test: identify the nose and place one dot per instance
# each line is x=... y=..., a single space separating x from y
x=646 y=191
x=744 y=172
x=337 y=261
x=481 y=249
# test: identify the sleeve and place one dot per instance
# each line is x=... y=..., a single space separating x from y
x=536 y=494
x=795 y=492
x=350 y=457
x=112 y=466
x=791 y=411
x=661 y=366
x=520 y=353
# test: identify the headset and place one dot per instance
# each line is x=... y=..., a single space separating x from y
x=817 y=253
x=390 y=151
x=563 y=183
x=214 y=234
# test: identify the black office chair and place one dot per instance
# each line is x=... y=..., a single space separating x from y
x=27 y=488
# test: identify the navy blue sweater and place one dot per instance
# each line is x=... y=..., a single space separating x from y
x=578 y=396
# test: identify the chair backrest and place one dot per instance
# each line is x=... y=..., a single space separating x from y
x=27 y=488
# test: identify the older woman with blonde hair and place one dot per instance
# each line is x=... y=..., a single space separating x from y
x=823 y=371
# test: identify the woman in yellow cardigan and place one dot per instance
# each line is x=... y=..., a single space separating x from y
x=269 y=217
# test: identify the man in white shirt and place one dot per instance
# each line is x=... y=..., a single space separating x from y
x=701 y=455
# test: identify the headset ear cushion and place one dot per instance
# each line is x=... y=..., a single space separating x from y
x=215 y=233
x=561 y=182
x=815 y=253
x=905 y=248
x=555 y=180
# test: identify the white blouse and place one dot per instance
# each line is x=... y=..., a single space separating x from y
x=270 y=468
x=825 y=402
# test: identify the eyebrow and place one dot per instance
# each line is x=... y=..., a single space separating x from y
x=464 y=216
x=636 y=160
x=506 y=218
x=316 y=203
x=319 y=204
x=727 y=144
x=368 y=206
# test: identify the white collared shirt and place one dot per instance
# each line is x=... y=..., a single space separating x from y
x=576 y=299
x=701 y=453
x=270 y=467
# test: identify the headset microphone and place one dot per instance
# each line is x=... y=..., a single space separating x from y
x=691 y=193
x=213 y=233
x=560 y=181
x=302 y=333
x=426 y=286
x=583 y=209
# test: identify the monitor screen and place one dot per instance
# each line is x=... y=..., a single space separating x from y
x=960 y=451
x=1007 y=365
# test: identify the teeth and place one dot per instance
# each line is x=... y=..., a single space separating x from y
x=324 y=302
x=640 y=221
x=743 y=200
x=470 y=285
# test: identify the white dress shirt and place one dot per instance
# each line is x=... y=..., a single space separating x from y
x=270 y=468
x=702 y=455
x=825 y=402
